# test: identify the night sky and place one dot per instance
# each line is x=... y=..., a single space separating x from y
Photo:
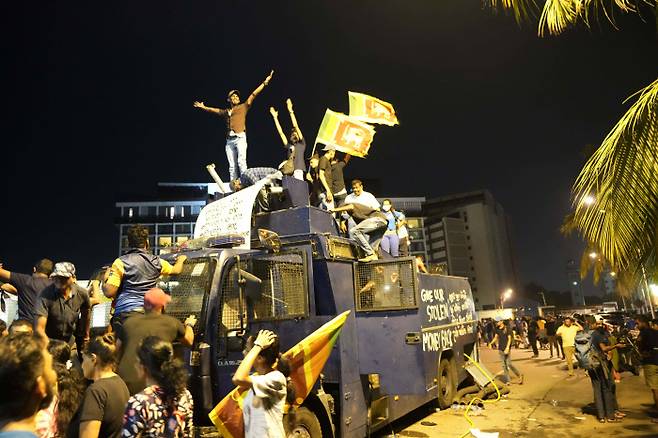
x=99 y=103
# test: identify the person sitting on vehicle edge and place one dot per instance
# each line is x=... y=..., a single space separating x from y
x=134 y=273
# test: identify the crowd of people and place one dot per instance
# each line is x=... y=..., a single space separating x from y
x=379 y=230
x=58 y=382
x=598 y=348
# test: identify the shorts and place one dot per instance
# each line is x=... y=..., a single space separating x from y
x=651 y=375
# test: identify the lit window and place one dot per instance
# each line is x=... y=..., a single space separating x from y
x=181 y=239
x=164 y=241
x=130 y=212
x=172 y=212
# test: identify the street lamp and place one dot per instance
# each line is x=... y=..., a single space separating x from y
x=654 y=289
x=505 y=296
x=593 y=255
x=589 y=200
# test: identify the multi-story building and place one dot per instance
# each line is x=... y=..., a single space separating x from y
x=469 y=233
x=575 y=286
x=169 y=216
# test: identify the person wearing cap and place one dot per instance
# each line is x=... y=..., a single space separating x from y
x=64 y=306
x=134 y=273
x=236 y=127
x=28 y=287
x=153 y=323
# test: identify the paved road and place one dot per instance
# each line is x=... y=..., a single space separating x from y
x=529 y=411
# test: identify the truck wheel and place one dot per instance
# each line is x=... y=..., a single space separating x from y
x=447 y=383
x=302 y=424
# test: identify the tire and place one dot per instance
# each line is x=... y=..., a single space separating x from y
x=447 y=383
x=302 y=424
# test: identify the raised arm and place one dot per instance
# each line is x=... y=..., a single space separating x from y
x=275 y=116
x=260 y=88
x=293 y=119
x=209 y=109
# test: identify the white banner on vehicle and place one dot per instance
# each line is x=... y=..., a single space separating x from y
x=229 y=215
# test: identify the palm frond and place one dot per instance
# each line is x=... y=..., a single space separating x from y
x=622 y=176
x=557 y=15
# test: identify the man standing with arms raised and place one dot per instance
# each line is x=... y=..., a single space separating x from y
x=236 y=127
x=567 y=331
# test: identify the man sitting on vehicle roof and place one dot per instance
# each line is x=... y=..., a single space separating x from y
x=134 y=273
x=369 y=230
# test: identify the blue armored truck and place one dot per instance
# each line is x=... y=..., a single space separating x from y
x=403 y=345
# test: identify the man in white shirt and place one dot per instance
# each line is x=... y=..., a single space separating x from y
x=360 y=196
x=567 y=331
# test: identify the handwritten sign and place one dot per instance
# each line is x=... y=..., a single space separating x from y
x=229 y=215
x=448 y=311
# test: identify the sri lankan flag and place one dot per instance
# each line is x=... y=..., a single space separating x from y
x=372 y=110
x=345 y=133
x=307 y=359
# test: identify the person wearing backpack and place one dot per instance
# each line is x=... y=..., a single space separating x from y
x=600 y=374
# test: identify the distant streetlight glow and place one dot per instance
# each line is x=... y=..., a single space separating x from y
x=613 y=274
x=593 y=255
x=589 y=200
x=508 y=294
x=575 y=283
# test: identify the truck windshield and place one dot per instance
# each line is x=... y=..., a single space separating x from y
x=188 y=289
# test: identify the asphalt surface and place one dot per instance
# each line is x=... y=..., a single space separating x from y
x=548 y=404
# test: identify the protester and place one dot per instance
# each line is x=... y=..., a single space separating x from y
x=101 y=411
x=29 y=287
x=648 y=346
x=601 y=376
x=326 y=178
x=533 y=328
x=567 y=331
x=420 y=265
x=27 y=384
x=152 y=323
x=551 y=330
x=390 y=241
x=252 y=175
x=296 y=144
x=54 y=421
x=313 y=179
x=165 y=407
x=504 y=336
x=134 y=273
x=370 y=227
x=236 y=127
x=62 y=306
x=403 y=238
x=338 y=179
x=3 y=329
x=360 y=196
x=21 y=326
x=268 y=388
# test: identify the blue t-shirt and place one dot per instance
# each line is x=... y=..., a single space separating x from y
x=598 y=338
x=392 y=217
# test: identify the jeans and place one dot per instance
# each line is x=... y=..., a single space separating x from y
x=508 y=365
x=391 y=243
x=552 y=342
x=236 y=154
x=604 y=397
x=369 y=233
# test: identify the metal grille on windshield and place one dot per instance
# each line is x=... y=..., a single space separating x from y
x=385 y=285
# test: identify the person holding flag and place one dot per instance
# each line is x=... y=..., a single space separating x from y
x=268 y=387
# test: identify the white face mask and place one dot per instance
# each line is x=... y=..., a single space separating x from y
x=386 y=207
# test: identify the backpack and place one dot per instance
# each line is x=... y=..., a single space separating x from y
x=586 y=355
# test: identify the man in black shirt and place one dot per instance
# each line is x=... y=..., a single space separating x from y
x=63 y=305
x=504 y=337
x=533 y=328
x=370 y=228
x=325 y=177
x=29 y=287
x=338 y=180
x=152 y=323
x=648 y=346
